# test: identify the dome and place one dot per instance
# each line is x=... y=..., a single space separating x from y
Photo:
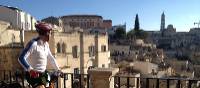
x=170 y=26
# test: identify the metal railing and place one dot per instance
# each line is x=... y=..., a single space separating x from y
x=10 y=77
x=77 y=80
x=139 y=82
x=71 y=80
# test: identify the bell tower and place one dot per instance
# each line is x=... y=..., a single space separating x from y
x=162 y=25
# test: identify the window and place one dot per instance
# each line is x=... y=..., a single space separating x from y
x=76 y=73
x=63 y=48
x=22 y=25
x=75 y=51
x=91 y=51
x=76 y=70
x=92 y=24
x=27 y=25
x=98 y=24
x=90 y=67
x=103 y=65
x=58 y=48
x=103 y=48
x=88 y=24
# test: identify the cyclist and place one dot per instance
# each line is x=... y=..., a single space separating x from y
x=36 y=55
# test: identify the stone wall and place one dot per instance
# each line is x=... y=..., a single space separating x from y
x=103 y=55
x=147 y=67
x=9 y=58
x=102 y=77
x=8 y=36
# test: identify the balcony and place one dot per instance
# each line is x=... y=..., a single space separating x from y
x=70 y=80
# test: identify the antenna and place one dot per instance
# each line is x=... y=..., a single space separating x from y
x=198 y=23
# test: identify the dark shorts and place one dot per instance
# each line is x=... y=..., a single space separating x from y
x=41 y=80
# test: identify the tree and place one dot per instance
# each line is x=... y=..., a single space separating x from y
x=130 y=34
x=137 y=24
x=137 y=32
x=120 y=33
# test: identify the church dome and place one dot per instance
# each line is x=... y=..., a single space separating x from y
x=170 y=26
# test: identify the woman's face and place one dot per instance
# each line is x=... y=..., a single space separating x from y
x=45 y=38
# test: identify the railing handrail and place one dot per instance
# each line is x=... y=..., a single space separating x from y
x=122 y=76
x=166 y=78
x=127 y=80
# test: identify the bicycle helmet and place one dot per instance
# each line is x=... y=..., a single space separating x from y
x=43 y=28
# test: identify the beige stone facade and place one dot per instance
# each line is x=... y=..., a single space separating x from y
x=8 y=36
x=147 y=67
x=107 y=24
x=76 y=50
x=70 y=49
x=9 y=47
x=82 y=21
x=137 y=51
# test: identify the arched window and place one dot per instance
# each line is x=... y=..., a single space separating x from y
x=58 y=48
x=63 y=48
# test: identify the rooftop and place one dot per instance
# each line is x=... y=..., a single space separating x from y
x=10 y=7
x=84 y=15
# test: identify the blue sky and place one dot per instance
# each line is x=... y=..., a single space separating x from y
x=181 y=13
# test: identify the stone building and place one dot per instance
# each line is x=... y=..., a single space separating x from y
x=77 y=52
x=10 y=47
x=169 y=31
x=17 y=18
x=8 y=36
x=85 y=22
x=147 y=67
x=138 y=50
x=82 y=21
x=175 y=43
x=52 y=20
x=107 y=24
x=68 y=48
